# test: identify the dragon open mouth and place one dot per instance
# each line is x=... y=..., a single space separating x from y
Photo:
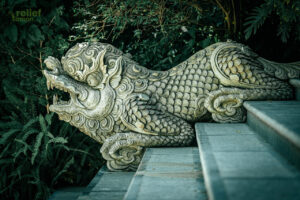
x=81 y=97
x=54 y=81
x=56 y=78
x=61 y=99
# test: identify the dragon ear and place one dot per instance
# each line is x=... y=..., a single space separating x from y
x=102 y=66
x=114 y=76
x=98 y=63
x=110 y=74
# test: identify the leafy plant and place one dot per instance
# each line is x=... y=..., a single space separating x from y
x=159 y=34
x=38 y=153
x=288 y=13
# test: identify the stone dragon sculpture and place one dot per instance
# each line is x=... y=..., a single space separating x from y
x=127 y=107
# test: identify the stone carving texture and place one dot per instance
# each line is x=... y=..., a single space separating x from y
x=127 y=107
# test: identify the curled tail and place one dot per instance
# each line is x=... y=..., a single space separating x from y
x=282 y=71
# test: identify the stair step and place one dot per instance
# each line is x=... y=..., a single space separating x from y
x=168 y=173
x=107 y=185
x=296 y=84
x=238 y=164
x=278 y=122
x=69 y=193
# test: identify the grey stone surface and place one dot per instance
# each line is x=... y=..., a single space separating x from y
x=296 y=84
x=79 y=193
x=111 y=195
x=164 y=174
x=107 y=185
x=233 y=129
x=263 y=189
x=249 y=170
x=173 y=150
x=69 y=193
x=229 y=143
x=282 y=116
x=252 y=165
x=279 y=124
x=113 y=181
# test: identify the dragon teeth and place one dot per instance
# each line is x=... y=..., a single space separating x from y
x=48 y=84
x=55 y=98
x=51 y=85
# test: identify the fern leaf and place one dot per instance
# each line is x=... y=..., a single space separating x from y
x=257 y=19
x=6 y=161
x=43 y=123
x=9 y=125
x=37 y=145
x=5 y=136
x=283 y=32
x=50 y=135
x=29 y=123
x=24 y=149
x=80 y=151
x=15 y=101
x=59 y=140
x=66 y=167
x=28 y=133
x=5 y=151
x=49 y=118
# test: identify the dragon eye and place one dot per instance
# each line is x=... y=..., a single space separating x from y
x=93 y=80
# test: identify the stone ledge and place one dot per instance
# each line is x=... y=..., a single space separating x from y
x=278 y=123
x=107 y=185
x=246 y=171
x=296 y=84
x=168 y=174
x=69 y=193
x=282 y=116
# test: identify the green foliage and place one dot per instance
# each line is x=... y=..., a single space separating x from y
x=287 y=11
x=41 y=156
x=159 y=34
x=39 y=153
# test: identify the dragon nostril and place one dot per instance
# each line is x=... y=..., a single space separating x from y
x=53 y=64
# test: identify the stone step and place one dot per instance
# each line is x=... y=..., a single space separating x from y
x=168 y=173
x=296 y=84
x=69 y=193
x=278 y=122
x=107 y=185
x=238 y=164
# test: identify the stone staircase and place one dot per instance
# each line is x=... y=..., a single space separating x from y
x=259 y=159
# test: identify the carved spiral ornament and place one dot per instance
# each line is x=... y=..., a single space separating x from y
x=92 y=126
x=106 y=124
x=125 y=88
x=77 y=49
x=130 y=159
x=78 y=120
x=91 y=51
x=140 y=85
x=74 y=66
x=225 y=105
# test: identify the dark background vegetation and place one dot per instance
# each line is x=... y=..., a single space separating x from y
x=39 y=153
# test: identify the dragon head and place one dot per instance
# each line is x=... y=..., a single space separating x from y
x=89 y=72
